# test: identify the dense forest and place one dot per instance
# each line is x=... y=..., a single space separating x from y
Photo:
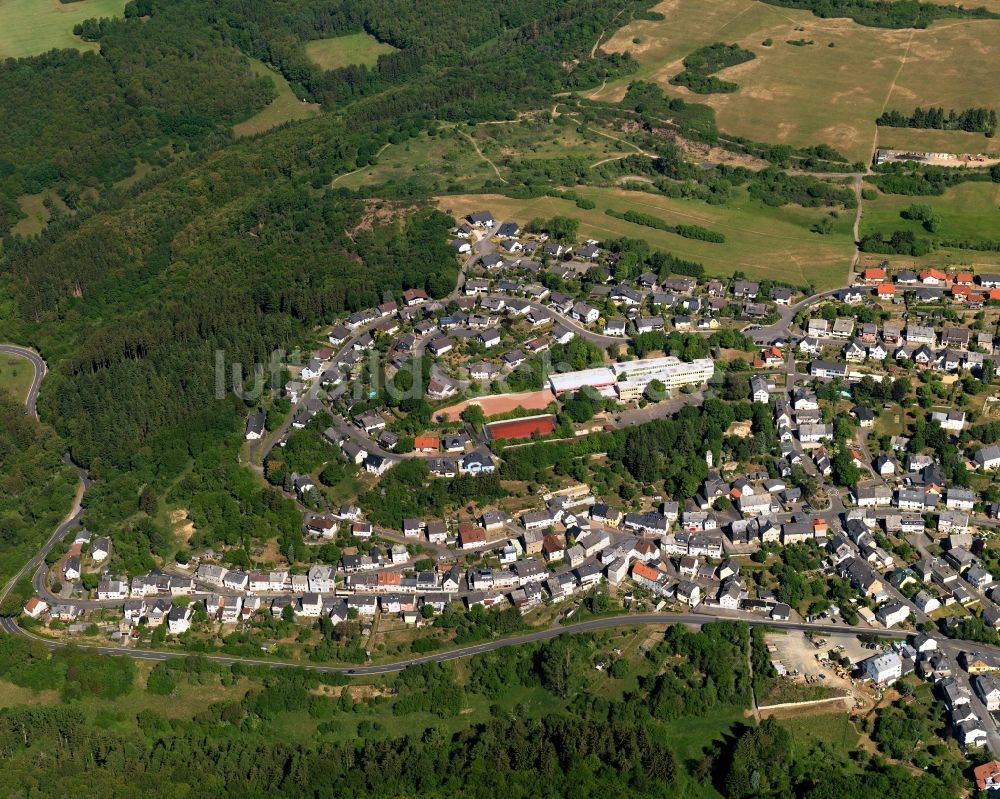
x=588 y=732
x=234 y=250
x=887 y=13
x=36 y=487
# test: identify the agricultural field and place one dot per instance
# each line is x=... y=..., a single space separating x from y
x=767 y=243
x=29 y=27
x=343 y=51
x=854 y=72
x=286 y=107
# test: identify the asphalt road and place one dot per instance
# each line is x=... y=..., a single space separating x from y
x=691 y=619
x=769 y=333
x=36 y=381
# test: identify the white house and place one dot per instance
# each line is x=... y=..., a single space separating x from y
x=35 y=607
x=311 y=605
x=100 y=550
x=892 y=613
x=884 y=669
x=179 y=619
x=988 y=458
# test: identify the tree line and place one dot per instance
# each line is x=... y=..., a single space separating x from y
x=972 y=120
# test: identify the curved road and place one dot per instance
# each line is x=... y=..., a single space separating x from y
x=692 y=619
x=71 y=518
x=36 y=381
x=695 y=619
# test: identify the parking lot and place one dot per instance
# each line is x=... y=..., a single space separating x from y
x=797 y=653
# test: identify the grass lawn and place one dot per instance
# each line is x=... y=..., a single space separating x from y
x=817 y=93
x=343 y=51
x=286 y=107
x=15 y=375
x=834 y=729
x=688 y=736
x=458 y=167
x=346 y=489
x=29 y=27
x=37 y=212
x=447 y=156
x=763 y=242
x=540 y=137
x=968 y=211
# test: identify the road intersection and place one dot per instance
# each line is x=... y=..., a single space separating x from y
x=765 y=334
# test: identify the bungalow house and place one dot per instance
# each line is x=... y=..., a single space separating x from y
x=440 y=345
x=920 y=334
x=477 y=462
x=413 y=297
x=625 y=295
x=481 y=219
x=614 y=327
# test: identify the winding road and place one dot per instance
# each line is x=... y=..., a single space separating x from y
x=36 y=381
x=36 y=564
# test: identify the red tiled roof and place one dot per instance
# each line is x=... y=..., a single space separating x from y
x=645 y=572
x=987 y=774
x=886 y=288
x=469 y=533
x=425 y=442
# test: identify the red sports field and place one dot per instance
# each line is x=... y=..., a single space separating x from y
x=521 y=428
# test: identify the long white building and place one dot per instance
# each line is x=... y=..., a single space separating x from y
x=630 y=379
